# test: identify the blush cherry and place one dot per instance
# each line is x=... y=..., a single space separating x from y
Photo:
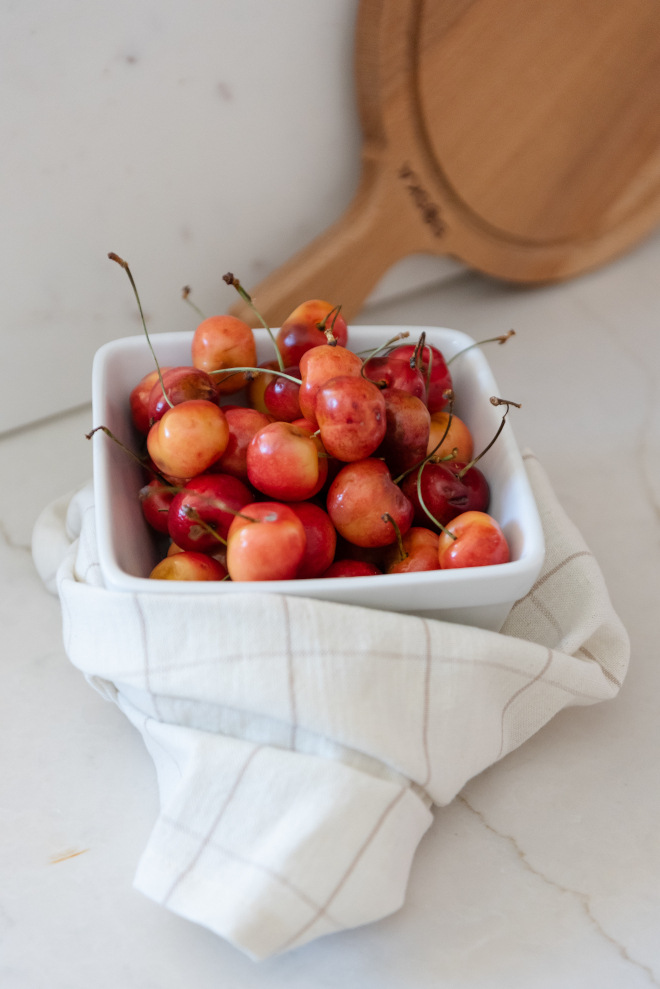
x=266 y=542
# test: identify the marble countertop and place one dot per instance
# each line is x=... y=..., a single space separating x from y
x=543 y=873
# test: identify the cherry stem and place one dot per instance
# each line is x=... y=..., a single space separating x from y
x=185 y=295
x=259 y=370
x=388 y=518
x=229 y=278
x=124 y=265
x=226 y=577
x=329 y=331
x=449 y=395
x=193 y=514
x=421 y=501
x=383 y=346
x=139 y=460
x=494 y=401
x=414 y=360
x=502 y=339
x=428 y=371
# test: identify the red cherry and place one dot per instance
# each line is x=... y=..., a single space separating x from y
x=396 y=374
x=139 y=400
x=378 y=556
x=445 y=495
x=219 y=554
x=351 y=415
x=475 y=484
x=408 y=425
x=271 y=547
x=320 y=365
x=321 y=539
x=206 y=497
x=258 y=385
x=156 y=504
x=299 y=332
x=440 y=376
x=351 y=568
x=243 y=424
x=283 y=462
x=181 y=385
x=282 y=397
x=359 y=496
x=479 y=542
x=188 y=566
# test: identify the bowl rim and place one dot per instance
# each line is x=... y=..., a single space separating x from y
x=116 y=578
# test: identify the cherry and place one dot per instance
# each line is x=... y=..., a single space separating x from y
x=139 y=400
x=283 y=462
x=407 y=433
x=224 y=342
x=321 y=539
x=151 y=470
x=391 y=372
x=282 y=397
x=188 y=439
x=440 y=497
x=205 y=509
x=334 y=465
x=269 y=547
x=359 y=496
x=396 y=374
x=351 y=415
x=181 y=384
x=445 y=494
x=438 y=382
x=258 y=384
x=300 y=331
x=319 y=365
x=188 y=566
x=376 y=555
x=156 y=501
x=352 y=568
x=219 y=554
x=420 y=546
x=479 y=542
x=243 y=425
x=458 y=437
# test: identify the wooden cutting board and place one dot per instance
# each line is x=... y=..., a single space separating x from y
x=520 y=136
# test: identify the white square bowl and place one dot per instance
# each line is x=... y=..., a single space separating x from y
x=479 y=596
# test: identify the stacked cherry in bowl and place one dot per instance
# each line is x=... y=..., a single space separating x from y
x=338 y=465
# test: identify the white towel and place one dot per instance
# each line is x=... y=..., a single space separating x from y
x=300 y=744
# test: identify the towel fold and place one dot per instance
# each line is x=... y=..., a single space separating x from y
x=300 y=744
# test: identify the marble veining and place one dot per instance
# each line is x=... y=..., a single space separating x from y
x=582 y=898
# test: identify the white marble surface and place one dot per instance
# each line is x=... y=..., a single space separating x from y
x=543 y=874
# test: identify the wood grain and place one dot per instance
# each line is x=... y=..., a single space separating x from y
x=520 y=136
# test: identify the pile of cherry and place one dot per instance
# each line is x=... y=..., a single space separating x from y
x=340 y=465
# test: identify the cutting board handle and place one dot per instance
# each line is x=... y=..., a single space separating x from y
x=345 y=263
